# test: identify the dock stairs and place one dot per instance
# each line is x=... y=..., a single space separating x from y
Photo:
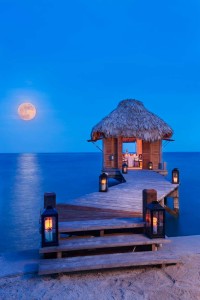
x=103 y=244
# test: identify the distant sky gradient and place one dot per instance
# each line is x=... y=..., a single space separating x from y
x=76 y=60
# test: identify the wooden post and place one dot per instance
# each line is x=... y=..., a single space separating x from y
x=148 y=196
x=162 y=202
x=176 y=201
x=49 y=200
x=175 y=195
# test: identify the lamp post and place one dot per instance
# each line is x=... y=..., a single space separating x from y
x=124 y=168
x=155 y=220
x=49 y=227
x=175 y=176
x=103 y=182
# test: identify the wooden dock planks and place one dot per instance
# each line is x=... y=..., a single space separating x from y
x=88 y=225
x=128 y=196
x=106 y=261
x=116 y=209
x=109 y=241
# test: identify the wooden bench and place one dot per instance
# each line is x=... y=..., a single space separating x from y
x=106 y=261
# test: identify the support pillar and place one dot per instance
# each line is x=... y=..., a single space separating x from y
x=148 y=196
x=176 y=201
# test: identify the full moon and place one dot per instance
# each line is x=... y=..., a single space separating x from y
x=27 y=111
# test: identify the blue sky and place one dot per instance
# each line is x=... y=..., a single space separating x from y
x=76 y=60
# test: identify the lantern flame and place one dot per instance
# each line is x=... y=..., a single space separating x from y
x=155 y=225
x=48 y=225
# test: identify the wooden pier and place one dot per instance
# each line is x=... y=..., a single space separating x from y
x=101 y=230
x=127 y=197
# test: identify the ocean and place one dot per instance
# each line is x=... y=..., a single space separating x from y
x=26 y=177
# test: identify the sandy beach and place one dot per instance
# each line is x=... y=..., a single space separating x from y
x=172 y=282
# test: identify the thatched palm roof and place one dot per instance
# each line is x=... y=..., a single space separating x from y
x=131 y=119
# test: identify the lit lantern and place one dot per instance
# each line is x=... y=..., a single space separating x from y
x=175 y=176
x=124 y=168
x=111 y=157
x=155 y=220
x=150 y=165
x=49 y=227
x=103 y=182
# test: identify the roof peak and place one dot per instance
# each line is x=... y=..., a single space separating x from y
x=131 y=103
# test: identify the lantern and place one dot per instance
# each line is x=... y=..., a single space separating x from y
x=103 y=182
x=49 y=227
x=175 y=176
x=155 y=220
x=111 y=157
x=124 y=168
x=150 y=165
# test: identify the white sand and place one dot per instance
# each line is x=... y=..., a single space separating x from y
x=171 y=282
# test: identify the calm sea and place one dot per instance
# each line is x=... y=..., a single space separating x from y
x=26 y=177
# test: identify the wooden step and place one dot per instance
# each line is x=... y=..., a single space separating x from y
x=89 y=225
x=106 y=261
x=111 y=241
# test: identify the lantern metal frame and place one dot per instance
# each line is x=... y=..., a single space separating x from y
x=49 y=235
x=124 y=168
x=103 y=182
x=50 y=199
x=175 y=176
x=155 y=220
x=150 y=165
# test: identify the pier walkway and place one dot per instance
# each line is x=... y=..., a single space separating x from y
x=127 y=196
x=103 y=230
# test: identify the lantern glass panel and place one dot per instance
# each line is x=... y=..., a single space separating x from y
x=160 y=222
x=150 y=165
x=103 y=183
x=155 y=220
x=49 y=229
x=175 y=176
x=124 y=168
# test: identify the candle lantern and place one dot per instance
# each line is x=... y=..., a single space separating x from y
x=155 y=220
x=49 y=227
x=124 y=168
x=111 y=157
x=175 y=176
x=103 y=182
x=150 y=165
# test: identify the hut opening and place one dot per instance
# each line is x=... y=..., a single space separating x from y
x=133 y=134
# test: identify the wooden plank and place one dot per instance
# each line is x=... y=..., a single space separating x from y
x=103 y=242
x=106 y=261
x=78 y=213
x=87 y=225
x=128 y=196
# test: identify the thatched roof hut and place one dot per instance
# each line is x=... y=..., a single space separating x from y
x=131 y=119
x=131 y=122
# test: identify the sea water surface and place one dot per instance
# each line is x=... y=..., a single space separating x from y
x=26 y=177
